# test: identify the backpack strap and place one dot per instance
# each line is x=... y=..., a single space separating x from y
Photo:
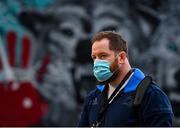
x=141 y=89
x=140 y=92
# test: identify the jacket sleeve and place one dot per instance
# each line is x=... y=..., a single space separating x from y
x=157 y=110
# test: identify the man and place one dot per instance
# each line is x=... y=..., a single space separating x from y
x=111 y=103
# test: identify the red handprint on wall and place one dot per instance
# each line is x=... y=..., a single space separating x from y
x=21 y=102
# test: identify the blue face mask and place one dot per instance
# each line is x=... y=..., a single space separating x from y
x=101 y=70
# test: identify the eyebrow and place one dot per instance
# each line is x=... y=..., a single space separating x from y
x=100 y=53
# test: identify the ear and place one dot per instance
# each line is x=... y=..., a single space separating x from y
x=122 y=57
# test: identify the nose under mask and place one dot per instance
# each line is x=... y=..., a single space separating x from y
x=102 y=70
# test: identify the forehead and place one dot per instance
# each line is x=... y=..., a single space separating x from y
x=101 y=46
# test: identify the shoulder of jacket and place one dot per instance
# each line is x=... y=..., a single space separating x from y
x=155 y=93
x=154 y=88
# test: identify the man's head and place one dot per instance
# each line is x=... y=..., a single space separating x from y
x=116 y=42
x=109 y=51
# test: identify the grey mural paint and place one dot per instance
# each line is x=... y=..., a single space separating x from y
x=62 y=30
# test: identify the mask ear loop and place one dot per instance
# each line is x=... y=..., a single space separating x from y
x=117 y=55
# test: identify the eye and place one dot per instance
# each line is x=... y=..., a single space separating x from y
x=103 y=56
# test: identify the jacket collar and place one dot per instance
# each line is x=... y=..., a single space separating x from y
x=132 y=83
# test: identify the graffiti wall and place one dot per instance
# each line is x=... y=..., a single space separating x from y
x=45 y=53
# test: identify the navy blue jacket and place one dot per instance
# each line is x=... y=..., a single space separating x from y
x=155 y=109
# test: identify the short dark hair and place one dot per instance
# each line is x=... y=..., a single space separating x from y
x=116 y=42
